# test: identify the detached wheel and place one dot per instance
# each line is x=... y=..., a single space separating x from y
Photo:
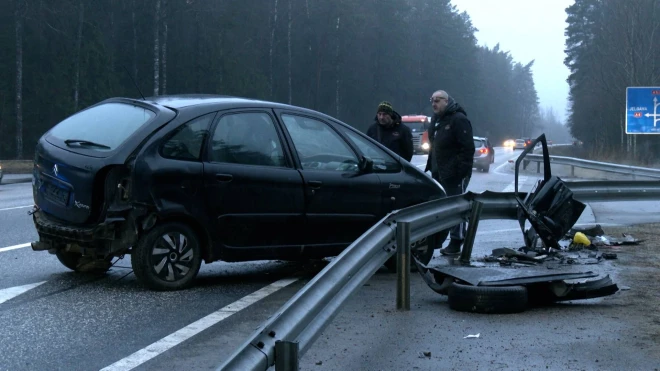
x=422 y=250
x=68 y=259
x=83 y=264
x=487 y=299
x=168 y=257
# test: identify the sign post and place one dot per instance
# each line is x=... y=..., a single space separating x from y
x=642 y=110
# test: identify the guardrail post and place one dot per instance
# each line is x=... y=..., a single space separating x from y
x=572 y=170
x=403 y=266
x=286 y=355
x=471 y=233
x=538 y=167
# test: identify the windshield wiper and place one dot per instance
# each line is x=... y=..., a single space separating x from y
x=83 y=142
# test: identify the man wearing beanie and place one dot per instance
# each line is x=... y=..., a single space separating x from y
x=388 y=131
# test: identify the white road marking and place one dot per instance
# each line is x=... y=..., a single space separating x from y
x=12 y=292
x=174 y=339
x=15 y=208
x=3 y=249
x=512 y=187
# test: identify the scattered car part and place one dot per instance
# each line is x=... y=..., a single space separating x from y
x=550 y=207
x=484 y=299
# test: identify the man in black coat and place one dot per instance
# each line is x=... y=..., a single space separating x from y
x=452 y=155
x=388 y=131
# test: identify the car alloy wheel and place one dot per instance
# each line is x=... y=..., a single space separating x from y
x=168 y=257
x=172 y=257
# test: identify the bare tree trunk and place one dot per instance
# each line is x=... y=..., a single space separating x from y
x=19 y=80
x=272 y=46
x=156 y=47
x=289 y=51
x=113 y=36
x=338 y=72
x=76 y=89
x=135 y=69
x=164 y=47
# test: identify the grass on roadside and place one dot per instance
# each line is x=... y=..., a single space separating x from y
x=16 y=166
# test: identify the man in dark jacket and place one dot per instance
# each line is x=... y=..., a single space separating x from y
x=388 y=131
x=452 y=155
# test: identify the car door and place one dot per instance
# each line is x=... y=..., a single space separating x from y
x=341 y=203
x=253 y=192
x=397 y=189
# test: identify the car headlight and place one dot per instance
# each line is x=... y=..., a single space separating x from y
x=425 y=146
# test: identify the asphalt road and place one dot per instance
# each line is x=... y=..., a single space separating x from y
x=52 y=318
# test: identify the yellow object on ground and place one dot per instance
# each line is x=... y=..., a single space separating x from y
x=581 y=238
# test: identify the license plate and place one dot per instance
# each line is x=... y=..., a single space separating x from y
x=55 y=194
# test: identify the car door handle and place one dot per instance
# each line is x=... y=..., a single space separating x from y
x=224 y=177
x=315 y=183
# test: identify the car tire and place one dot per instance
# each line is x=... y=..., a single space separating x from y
x=422 y=252
x=68 y=259
x=168 y=257
x=486 y=168
x=83 y=264
x=486 y=299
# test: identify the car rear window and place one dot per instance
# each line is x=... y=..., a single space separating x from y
x=109 y=124
x=477 y=143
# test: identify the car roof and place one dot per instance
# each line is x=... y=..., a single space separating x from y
x=183 y=102
x=180 y=101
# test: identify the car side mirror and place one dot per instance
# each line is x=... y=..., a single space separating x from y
x=366 y=165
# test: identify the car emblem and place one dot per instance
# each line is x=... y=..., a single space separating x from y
x=55 y=170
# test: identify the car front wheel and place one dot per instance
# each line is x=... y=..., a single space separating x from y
x=168 y=257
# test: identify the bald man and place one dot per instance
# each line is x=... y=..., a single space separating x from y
x=452 y=155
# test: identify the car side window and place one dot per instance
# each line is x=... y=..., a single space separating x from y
x=318 y=146
x=247 y=138
x=383 y=163
x=186 y=142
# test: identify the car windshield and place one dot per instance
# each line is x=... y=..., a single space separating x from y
x=103 y=127
x=415 y=127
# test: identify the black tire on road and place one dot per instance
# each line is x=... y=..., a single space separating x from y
x=83 y=264
x=487 y=299
x=168 y=257
x=423 y=250
x=68 y=259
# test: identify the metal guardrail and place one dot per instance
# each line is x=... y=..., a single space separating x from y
x=634 y=171
x=298 y=323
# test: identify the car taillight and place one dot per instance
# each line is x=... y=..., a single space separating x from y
x=483 y=150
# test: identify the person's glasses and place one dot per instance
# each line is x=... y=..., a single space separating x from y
x=436 y=99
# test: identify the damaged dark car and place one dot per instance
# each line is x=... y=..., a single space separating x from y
x=177 y=180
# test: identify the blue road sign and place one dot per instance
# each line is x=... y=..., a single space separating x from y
x=642 y=110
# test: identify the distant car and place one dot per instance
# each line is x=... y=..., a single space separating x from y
x=509 y=143
x=520 y=144
x=484 y=155
x=0 y=174
x=174 y=180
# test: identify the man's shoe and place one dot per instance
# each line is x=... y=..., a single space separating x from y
x=454 y=248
